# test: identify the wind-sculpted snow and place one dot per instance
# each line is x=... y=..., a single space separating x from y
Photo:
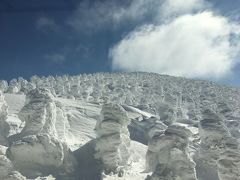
x=62 y=124
x=229 y=161
x=146 y=91
x=218 y=148
x=188 y=129
x=7 y=171
x=113 y=142
x=168 y=155
x=3 y=85
x=143 y=130
x=36 y=150
x=5 y=166
x=167 y=113
x=14 y=86
x=40 y=154
x=39 y=114
x=4 y=126
x=212 y=133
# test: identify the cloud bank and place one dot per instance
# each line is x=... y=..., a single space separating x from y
x=193 y=43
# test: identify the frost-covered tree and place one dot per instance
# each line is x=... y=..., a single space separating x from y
x=3 y=85
x=4 y=126
x=112 y=143
x=168 y=155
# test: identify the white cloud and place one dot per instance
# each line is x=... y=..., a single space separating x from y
x=46 y=24
x=185 y=37
x=193 y=45
x=55 y=58
x=97 y=15
x=177 y=7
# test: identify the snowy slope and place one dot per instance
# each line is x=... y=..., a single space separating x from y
x=82 y=118
x=153 y=103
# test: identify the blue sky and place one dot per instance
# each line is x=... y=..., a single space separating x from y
x=191 y=38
